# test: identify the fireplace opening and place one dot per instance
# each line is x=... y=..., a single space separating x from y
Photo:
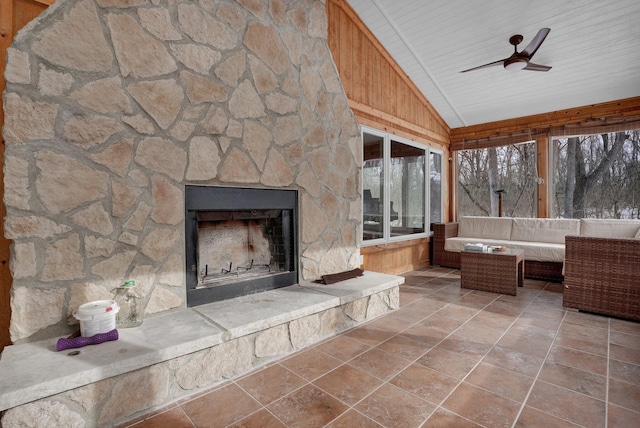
x=239 y=241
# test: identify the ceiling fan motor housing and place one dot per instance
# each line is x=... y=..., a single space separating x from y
x=516 y=63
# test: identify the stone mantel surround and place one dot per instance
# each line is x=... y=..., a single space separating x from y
x=112 y=106
x=178 y=354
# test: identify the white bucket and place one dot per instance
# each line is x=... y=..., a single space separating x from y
x=97 y=317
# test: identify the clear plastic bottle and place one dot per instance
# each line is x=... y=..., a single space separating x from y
x=131 y=311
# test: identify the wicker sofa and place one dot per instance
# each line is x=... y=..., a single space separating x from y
x=602 y=269
x=541 y=239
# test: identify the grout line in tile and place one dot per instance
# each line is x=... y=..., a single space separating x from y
x=535 y=380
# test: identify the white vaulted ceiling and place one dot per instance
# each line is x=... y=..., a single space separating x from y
x=593 y=47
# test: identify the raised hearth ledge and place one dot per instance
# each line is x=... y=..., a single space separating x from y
x=33 y=371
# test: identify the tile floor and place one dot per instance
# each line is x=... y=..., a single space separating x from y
x=449 y=357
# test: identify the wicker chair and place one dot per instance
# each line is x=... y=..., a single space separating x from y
x=602 y=275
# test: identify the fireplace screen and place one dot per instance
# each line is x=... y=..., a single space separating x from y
x=239 y=241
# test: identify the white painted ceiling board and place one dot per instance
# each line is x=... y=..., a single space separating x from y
x=593 y=49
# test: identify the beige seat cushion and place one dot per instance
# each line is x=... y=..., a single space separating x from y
x=544 y=229
x=485 y=227
x=609 y=228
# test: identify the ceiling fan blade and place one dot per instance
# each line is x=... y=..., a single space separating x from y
x=533 y=46
x=537 y=67
x=491 y=64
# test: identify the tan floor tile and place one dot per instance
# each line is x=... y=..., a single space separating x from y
x=442 y=418
x=393 y=407
x=479 y=332
x=343 y=348
x=348 y=384
x=482 y=407
x=260 y=419
x=526 y=345
x=622 y=353
x=370 y=335
x=353 y=419
x=625 y=372
x=495 y=321
x=513 y=360
x=379 y=364
x=448 y=362
x=465 y=345
x=307 y=407
x=426 y=383
x=568 y=405
x=411 y=314
x=578 y=359
x=533 y=418
x=500 y=381
x=426 y=307
x=621 y=417
x=585 y=330
x=625 y=326
x=388 y=324
x=534 y=328
x=221 y=407
x=624 y=395
x=457 y=312
x=404 y=346
x=625 y=339
x=505 y=308
x=270 y=384
x=586 y=320
x=173 y=417
x=443 y=323
x=428 y=336
x=582 y=343
x=311 y=364
x=574 y=379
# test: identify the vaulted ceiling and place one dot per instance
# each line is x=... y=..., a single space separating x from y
x=593 y=48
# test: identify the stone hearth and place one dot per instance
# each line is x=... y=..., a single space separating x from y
x=174 y=355
x=113 y=106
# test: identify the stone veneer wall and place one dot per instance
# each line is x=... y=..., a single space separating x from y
x=111 y=106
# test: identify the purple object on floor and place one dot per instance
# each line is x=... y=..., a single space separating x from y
x=79 y=342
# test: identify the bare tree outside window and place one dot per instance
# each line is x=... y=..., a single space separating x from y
x=484 y=172
x=597 y=176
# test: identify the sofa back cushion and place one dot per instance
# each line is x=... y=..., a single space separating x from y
x=550 y=230
x=485 y=227
x=609 y=228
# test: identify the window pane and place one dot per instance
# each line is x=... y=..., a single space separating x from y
x=597 y=176
x=435 y=187
x=484 y=172
x=373 y=187
x=407 y=189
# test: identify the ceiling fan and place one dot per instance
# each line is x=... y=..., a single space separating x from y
x=521 y=60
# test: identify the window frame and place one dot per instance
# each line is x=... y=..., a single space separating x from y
x=386 y=165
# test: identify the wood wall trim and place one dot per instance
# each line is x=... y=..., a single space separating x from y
x=546 y=123
x=419 y=130
x=6 y=38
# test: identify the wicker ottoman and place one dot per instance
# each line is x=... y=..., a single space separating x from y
x=498 y=272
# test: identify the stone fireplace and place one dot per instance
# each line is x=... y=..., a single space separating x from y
x=239 y=241
x=114 y=107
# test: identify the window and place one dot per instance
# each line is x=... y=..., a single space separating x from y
x=487 y=175
x=394 y=201
x=597 y=176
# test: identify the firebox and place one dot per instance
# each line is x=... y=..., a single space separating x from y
x=239 y=241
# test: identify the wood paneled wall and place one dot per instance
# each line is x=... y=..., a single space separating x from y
x=14 y=14
x=379 y=92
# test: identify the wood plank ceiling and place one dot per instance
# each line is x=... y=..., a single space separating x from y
x=593 y=47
